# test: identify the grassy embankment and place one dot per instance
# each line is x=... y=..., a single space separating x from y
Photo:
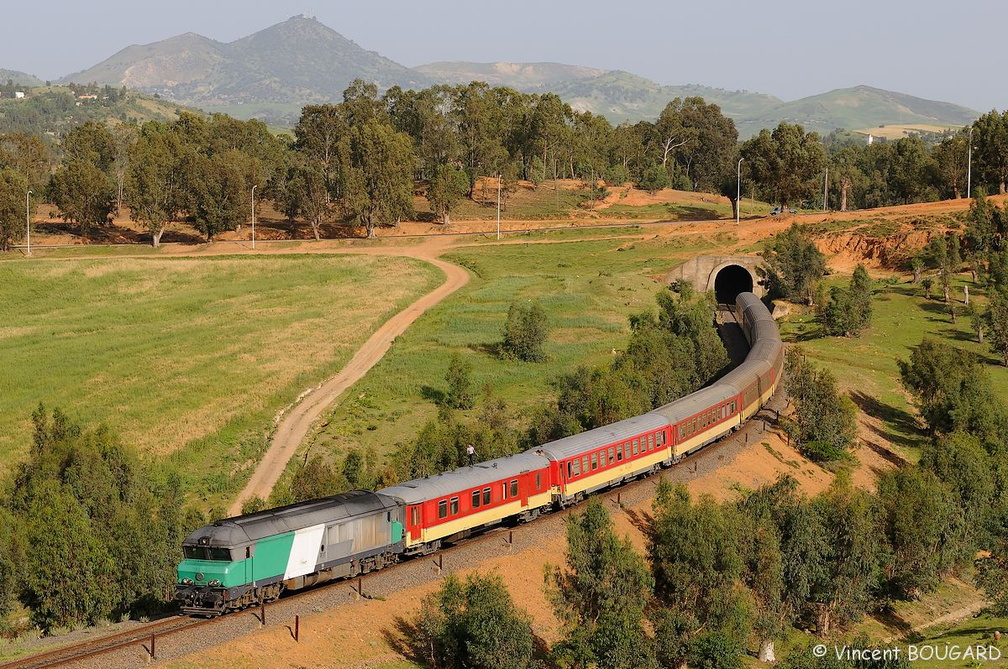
x=186 y=358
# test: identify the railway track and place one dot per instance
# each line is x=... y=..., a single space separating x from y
x=145 y=635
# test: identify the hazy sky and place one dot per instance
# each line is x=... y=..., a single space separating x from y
x=950 y=51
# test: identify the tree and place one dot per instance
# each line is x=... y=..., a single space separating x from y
x=475 y=625
x=83 y=194
x=793 y=265
x=308 y=196
x=825 y=423
x=13 y=196
x=697 y=563
x=315 y=479
x=217 y=192
x=155 y=182
x=448 y=187
x=997 y=323
x=786 y=164
x=953 y=392
x=525 y=332
x=849 y=520
x=921 y=523
x=460 y=393
x=991 y=150
x=601 y=595
x=849 y=309
x=377 y=183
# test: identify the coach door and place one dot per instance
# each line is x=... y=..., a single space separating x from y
x=414 y=515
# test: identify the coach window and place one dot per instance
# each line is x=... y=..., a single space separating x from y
x=514 y=488
x=635 y=447
x=475 y=499
x=661 y=438
x=602 y=458
x=538 y=481
x=486 y=496
x=594 y=458
x=612 y=455
x=577 y=467
x=584 y=464
x=454 y=505
x=650 y=442
x=442 y=509
x=619 y=453
x=570 y=470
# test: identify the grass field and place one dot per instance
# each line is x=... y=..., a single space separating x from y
x=191 y=357
x=588 y=287
x=866 y=366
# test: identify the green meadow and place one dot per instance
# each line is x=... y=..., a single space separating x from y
x=187 y=358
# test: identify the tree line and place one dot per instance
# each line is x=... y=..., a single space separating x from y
x=359 y=162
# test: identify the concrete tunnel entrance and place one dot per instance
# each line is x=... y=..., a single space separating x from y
x=730 y=281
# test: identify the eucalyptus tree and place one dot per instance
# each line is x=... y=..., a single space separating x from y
x=990 y=150
x=377 y=180
x=83 y=194
x=951 y=157
x=28 y=155
x=157 y=180
x=787 y=164
x=712 y=144
x=13 y=192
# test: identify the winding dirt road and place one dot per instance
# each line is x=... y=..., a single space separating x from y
x=295 y=425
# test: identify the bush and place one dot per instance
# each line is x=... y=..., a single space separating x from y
x=525 y=332
x=474 y=625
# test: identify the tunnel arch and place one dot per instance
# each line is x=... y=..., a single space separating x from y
x=729 y=280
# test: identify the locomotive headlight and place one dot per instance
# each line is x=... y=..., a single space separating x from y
x=187 y=581
x=214 y=583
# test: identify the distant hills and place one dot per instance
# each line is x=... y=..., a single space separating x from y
x=273 y=73
x=16 y=77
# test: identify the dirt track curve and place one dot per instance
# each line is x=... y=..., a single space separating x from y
x=295 y=425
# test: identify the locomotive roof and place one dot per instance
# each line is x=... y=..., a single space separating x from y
x=464 y=478
x=241 y=530
x=584 y=442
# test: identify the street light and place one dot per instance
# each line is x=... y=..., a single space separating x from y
x=27 y=206
x=825 y=189
x=253 y=215
x=738 y=190
x=969 y=163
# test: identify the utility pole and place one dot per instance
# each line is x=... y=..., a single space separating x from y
x=27 y=207
x=253 y=215
x=498 y=205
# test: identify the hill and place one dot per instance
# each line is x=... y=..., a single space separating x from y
x=299 y=61
x=16 y=77
x=55 y=109
x=860 y=107
x=272 y=74
x=526 y=77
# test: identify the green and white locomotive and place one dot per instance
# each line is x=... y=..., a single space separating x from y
x=249 y=559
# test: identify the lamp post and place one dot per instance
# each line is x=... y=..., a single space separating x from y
x=825 y=189
x=27 y=206
x=498 y=205
x=969 y=163
x=253 y=215
x=738 y=190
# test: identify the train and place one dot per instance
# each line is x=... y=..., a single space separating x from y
x=250 y=559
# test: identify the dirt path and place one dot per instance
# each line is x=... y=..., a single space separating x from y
x=295 y=424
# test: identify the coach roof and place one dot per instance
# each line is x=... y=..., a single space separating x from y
x=465 y=478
